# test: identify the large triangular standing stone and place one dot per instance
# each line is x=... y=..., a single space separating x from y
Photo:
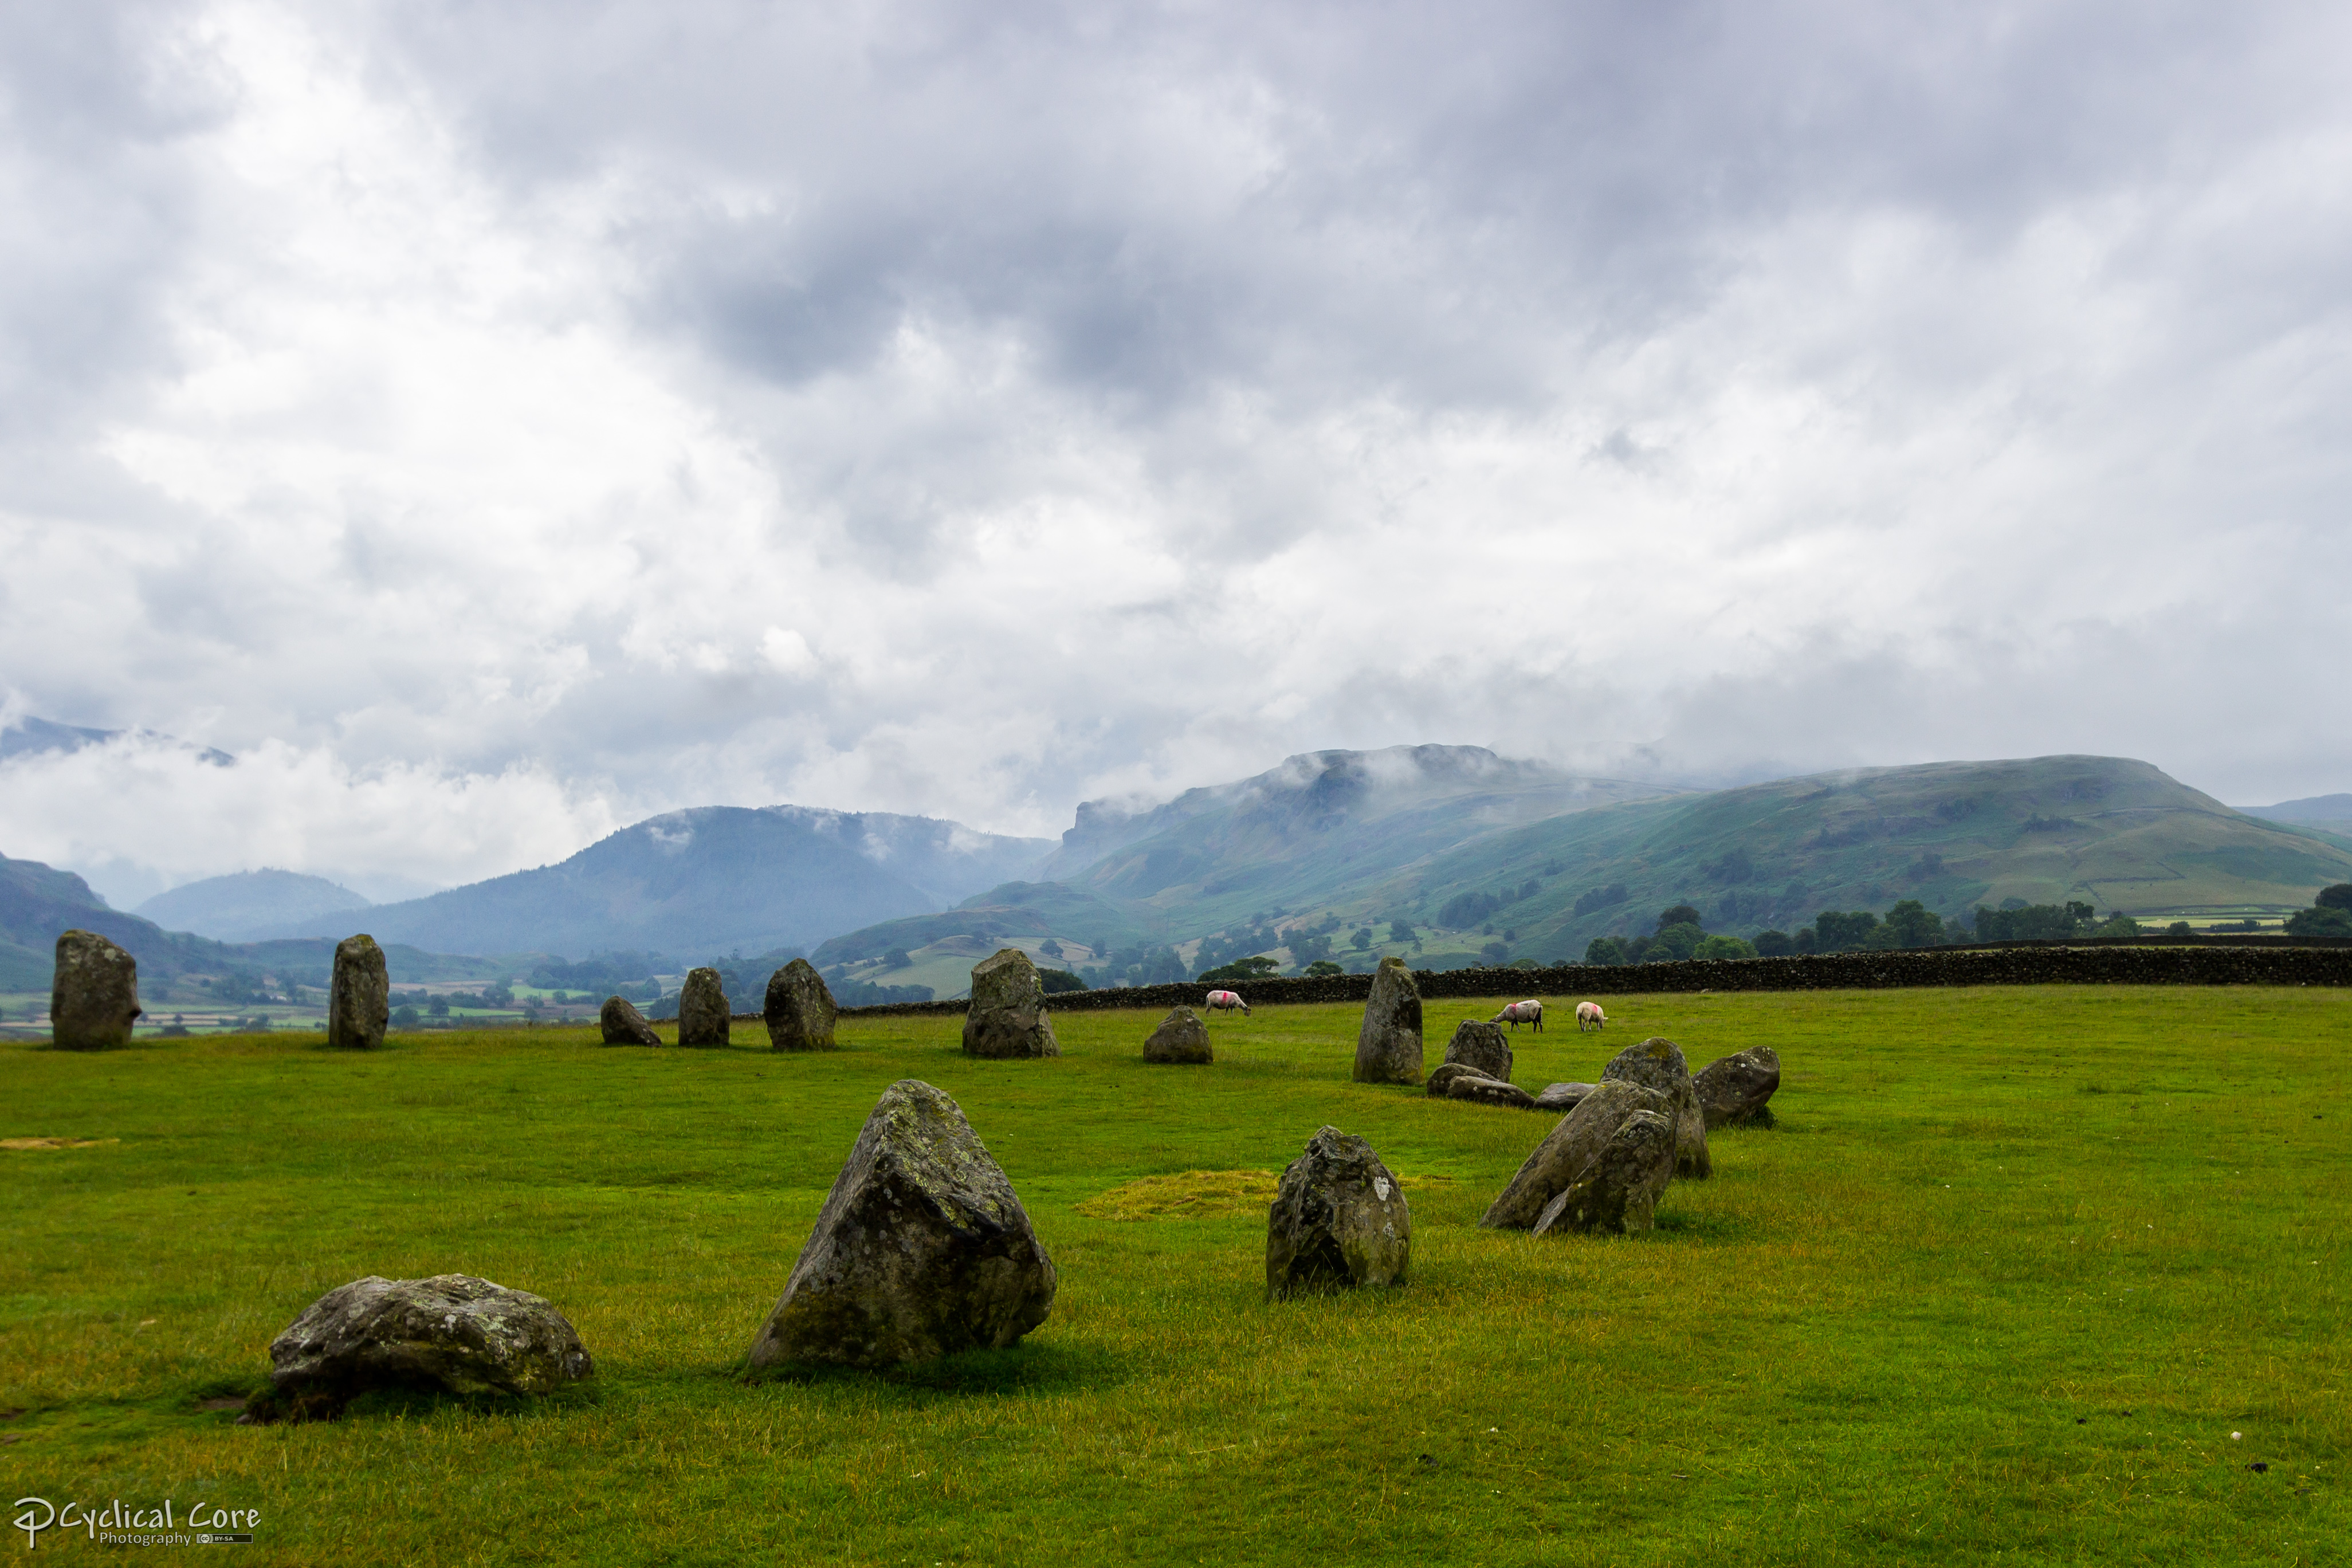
x=921 y=1250
x=1657 y=1063
x=1007 y=1016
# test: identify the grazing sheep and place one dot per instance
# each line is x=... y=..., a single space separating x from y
x=1518 y=1013
x=1590 y=1014
x=1225 y=1002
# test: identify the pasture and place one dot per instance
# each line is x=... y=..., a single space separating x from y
x=2038 y=1273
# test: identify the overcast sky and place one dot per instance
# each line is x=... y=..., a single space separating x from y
x=496 y=421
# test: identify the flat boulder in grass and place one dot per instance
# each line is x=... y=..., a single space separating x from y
x=1489 y=1091
x=359 y=994
x=1618 y=1192
x=1733 y=1090
x=1388 y=1047
x=921 y=1250
x=1483 y=1046
x=1007 y=1017
x=1562 y=1097
x=454 y=1331
x=1181 y=1036
x=1339 y=1221
x=1571 y=1146
x=1658 y=1063
x=93 y=993
x=624 y=1025
x=702 y=1011
x=799 y=1013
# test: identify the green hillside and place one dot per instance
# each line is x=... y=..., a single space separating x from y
x=1317 y=854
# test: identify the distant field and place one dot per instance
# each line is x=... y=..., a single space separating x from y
x=2006 y=1278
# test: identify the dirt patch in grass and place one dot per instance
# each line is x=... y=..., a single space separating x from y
x=55 y=1143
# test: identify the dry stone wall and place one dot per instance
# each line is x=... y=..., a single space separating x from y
x=2007 y=965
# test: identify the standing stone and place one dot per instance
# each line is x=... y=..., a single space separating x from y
x=1571 y=1146
x=1483 y=1047
x=1733 y=1089
x=359 y=997
x=1562 y=1097
x=465 y=1334
x=921 y=1250
x=1388 y=1050
x=624 y=1025
x=1181 y=1036
x=1339 y=1221
x=1619 y=1191
x=799 y=1011
x=1008 y=1017
x=702 y=1009
x=94 y=994
x=1657 y=1062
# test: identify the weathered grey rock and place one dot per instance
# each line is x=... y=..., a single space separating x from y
x=1339 y=1221
x=94 y=994
x=1733 y=1090
x=1387 y=1048
x=800 y=1011
x=1618 y=1192
x=359 y=994
x=1658 y=1061
x=1441 y=1077
x=702 y=1011
x=1571 y=1146
x=624 y=1025
x=1483 y=1046
x=462 y=1333
x=1562 y=1097
x=921 y=1251
x=1489 y=1091
x=1181 y=1036
x=1008 y=1015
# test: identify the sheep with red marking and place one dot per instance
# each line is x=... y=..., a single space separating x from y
x=1589 y=1016
x=1530 y=1011
x=1226 y=1001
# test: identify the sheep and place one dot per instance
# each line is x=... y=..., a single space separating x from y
x=1590 y=1013
x=1226 y=1001
x=1518 y=1013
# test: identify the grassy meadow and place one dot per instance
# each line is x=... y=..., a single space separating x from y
x=2036 y=1273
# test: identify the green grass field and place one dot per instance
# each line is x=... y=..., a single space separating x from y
x=2006 y=1278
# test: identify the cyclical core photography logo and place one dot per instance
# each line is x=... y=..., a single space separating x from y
x=120 y=1524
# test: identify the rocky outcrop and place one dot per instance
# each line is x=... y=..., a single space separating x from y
x=1733 y=1090
x=1339 y=1221
x=624 y=1025
x=1618 y=1191
x=921 y=1250
x=1571 y=1146
x=1483 y=1047
x=453 y=1330
x=359 y=995
x=1181 y=1036
x=94 y=993
x=800 y=1012
x=702 y=1012
x=1562 y=1097
x=1008 y=1015
x=1657 y=1063
x=1388 y=1047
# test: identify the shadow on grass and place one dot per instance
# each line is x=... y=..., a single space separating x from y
x=1681 y=1225
x=1025 y=1369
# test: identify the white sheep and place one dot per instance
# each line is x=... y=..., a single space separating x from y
x=1590 y=1014
x=1518 y=1013
x=1226 y=1001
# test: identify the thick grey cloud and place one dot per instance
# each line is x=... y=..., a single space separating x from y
x=496 y=421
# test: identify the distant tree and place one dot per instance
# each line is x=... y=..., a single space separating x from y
x=1510 y=935
x=1256 y=967
x=1681 y=914
x=1808 y=939
x=1361 y=938
x=1322 y=967
x=2180 y=928
x=404 y=1017
x=2336 y=897
x=2117 y=925
x=1400 y=931
x=1051 y=948
x=1529 y=888
x=1605 y=950
x=437 y=1006
x=2320 y=920
x=1601 y=898
x=900 y=959
x=1495 y=953
x=1913 y=924
x=1465 y=910
x=1774 y=945
x=1844 y=933
x=1676 y=941
x=1058 y=980
x=1723 y=947
x=1310 y=949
